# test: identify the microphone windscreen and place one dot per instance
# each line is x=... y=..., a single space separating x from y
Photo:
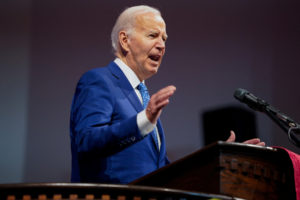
x=240 y=93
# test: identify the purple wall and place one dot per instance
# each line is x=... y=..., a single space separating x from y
x=214 y=47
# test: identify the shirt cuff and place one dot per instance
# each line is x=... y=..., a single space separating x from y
x=144 y=125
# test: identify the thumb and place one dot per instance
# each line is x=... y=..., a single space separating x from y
x=231 y=137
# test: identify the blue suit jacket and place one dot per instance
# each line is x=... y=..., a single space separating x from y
x=106 y=143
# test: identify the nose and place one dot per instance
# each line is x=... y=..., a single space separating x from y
x=161 y=44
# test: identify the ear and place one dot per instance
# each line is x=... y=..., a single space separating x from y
x=124 y=40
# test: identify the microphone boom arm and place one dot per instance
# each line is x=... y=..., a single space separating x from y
x=283 y=121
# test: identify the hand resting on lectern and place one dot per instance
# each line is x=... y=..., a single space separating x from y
x=255 y=141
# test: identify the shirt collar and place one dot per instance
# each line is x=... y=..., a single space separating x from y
x=128 y=72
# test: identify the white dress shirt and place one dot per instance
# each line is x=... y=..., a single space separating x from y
x=144 y=125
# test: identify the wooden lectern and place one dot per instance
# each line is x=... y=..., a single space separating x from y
x=235 y=169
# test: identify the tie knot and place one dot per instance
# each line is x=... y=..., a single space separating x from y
x=142 y=87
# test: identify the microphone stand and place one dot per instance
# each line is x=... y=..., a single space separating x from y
x=285 y=123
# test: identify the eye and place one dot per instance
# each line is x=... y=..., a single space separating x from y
x=152 y=35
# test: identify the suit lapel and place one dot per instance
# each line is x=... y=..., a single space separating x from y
x=125 y=86
x=129 y=92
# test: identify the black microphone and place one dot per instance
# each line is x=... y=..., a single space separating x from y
x=262 y=106
x=291 y=127
x=252 y=101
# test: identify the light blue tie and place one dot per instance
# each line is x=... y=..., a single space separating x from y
x=146 y=98
x=145 y=95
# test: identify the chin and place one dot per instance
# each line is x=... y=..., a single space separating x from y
x=151 y=72
x=151 y=69
x=154 y=70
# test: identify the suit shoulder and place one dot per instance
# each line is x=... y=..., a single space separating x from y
x=96 y=72
x=96 y=75
x=107 y=71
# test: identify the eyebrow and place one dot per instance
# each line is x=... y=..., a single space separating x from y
x=156 y=30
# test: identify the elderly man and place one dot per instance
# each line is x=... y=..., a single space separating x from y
x=116 y=134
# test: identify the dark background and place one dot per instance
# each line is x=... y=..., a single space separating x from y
x=214 y=47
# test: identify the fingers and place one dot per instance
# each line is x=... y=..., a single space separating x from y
x=254 y=141
x=161 y=98
x=263 y=144
x=231 y=137
x=158 y=101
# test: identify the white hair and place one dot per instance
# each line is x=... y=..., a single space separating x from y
x=126 y=22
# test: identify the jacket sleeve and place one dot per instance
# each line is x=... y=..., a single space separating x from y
x=92 y=118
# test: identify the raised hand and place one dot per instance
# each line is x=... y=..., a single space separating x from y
x=158 y=101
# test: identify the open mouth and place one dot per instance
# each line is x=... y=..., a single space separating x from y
x=154 y=57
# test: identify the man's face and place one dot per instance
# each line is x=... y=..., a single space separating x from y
x=146 y=45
